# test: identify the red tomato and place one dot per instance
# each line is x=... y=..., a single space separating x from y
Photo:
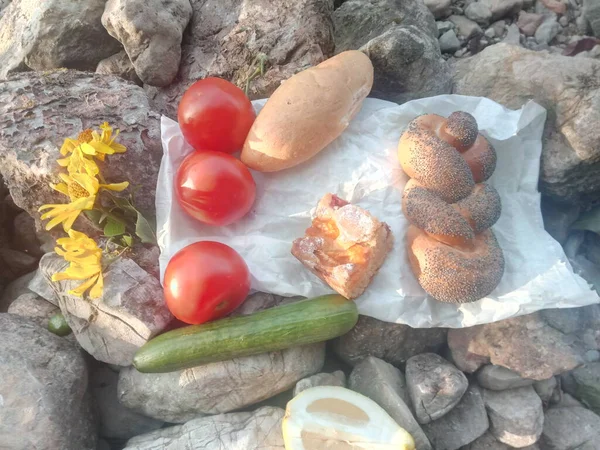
x=215 y=114
x=205 y=281
x=214 y=188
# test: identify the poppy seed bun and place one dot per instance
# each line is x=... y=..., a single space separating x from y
x=307 y=112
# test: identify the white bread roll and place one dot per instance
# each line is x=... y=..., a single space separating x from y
x=307 y=112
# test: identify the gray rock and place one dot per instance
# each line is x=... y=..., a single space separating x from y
x=547 y=30
x=568 y=401
x=465 y=27
x=25 y=236
x=439 y=8
x=583 y=25
x=489 y=442
x=43 y=390
x=150 y=31
x=52 y=34
x=587 y=385
x=14 y=264
x=516 y=415
x=525 y=344
x=503 y=8
x=563 y=21
x=570 y=163
x=592 y=356
x=444 y=26
x=558 y=217
x=337 y=378
x=130 y=312
x=545 y=388
x=3 y=5
x=591 y=12
x=38 y=113
x=116 y=421
x=35 y=308
x=528 y=23
x=435 y=386
x=392 y=342
x=513 y=35
x=224 y=38
x=217 y=387
x=499 y=26
x=570 y=428
x=257 y=430
x=14 y=290
x=119 y=64
x=462 y=425
x=400 y=38
x=385 y=385
x=462 y=52
x=103 y=445
x=498 y=378
x=479 y=12
x=449 y=43
x=592 y=240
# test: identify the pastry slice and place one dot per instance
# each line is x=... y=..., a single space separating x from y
x=345 y=246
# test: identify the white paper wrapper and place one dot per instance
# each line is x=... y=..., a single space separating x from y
x=361 y=167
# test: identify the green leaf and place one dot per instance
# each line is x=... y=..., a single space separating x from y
x=127 y=240
x=94 y=216
x=113 y=227
x=103 y=217
x=145 y=230
x=589 y=221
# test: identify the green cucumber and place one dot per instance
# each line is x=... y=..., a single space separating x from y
x=278 y=328
x=58 y=325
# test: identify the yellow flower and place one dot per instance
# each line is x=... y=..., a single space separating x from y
x=78 y=162
x=85 y=263
x=103 y=144
x=88 y=144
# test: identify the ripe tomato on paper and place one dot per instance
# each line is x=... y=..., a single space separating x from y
x=215 y=114
x=205 y=281
x=214 y=187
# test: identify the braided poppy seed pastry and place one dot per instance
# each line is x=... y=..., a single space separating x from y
x=452 y=250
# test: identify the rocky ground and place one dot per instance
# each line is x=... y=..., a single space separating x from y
x=529 y=382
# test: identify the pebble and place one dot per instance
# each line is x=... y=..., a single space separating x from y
x=582 y=24
x=490 y=33
x=499 y=27
x=479 y=12
x=528 y=23
x=460 y=53
x=444 y=26
x=498 y=378
x=547 y=31
x=513 y=36
x=545 y=388
x=465 y=27
x=563 y=21
x=449 y=43
x=595 y=52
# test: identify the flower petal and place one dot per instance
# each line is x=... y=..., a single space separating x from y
x=96 y=291
x=80 y=290
x=60 y=187
x=116 y=186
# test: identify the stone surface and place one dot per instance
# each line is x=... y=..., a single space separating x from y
x=39 y=110
x=547 y=31
x=439 y=8
x=568 y=401
x=479 y=12
x=14 y=264
x=524 y=344
x=337 y=378
x=498 y=378
x=119 y=64
x=35 y=308
x=394 y=343
x=444 y=26
x=462 y=425
x=449 y=43
x=466 y=28
x=529 y=22
x=503 y=8
x=545 y=388
x=435 y=386
x=115 y=420
x=587 y=385
x=224 y=38
x=591 y=12
x=25 y=236
x=513 y=36
x=489 y=442
x=570 y=163
x=385 y=384
x=131 y=311
x=43 y=390
x=570 y=428
x=151 y=32
x=52 y=34
x=217 y=387
x=258 y=430
x=14 y=290
x=516 y=415
x=401 y=40
x=558 y=217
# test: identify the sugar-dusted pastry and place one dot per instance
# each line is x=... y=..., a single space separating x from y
x=345 y=246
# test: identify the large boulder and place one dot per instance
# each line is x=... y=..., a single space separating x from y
x=400 y=37
x=119 y=64
x=151 y=32
x=217 y=387
x=392 y=342
x=43 y=392
x=225 y=38
x=568 y=88
x=570 y=428
x=257 y=430
x=34 y=307
x=40 y=109
x=53 y=34
x=587 y=385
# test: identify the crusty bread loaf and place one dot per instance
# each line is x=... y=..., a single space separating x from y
x=307 y=112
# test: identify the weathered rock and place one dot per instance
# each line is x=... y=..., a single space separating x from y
x=479 y=12
x=401 y=40
x=217 y=387
x=103 y=445
x=591 y=12
x=14 y=263
x=513 y=36
x=587 y=385
x=558 y=216
x=516 y=415
x=503 y=8
x=119 y=64
x=116 y=421
x=337 y=378
x=131 y=311
x=465 y=27
x=39 y=110
x=568 y=401
x=529 y=22
x=52 y=34
x=489 y=442
x=33 y=307
x=570 y=428
x=14 y=290
x=592 y=240
x=462 y=425
x=258 y=430
x=224 y=38
x=385 y=385
x=435 y=386
x=498 y=378
x=43 y=390
x=547 y=31
x=392 y=342
x=25 y=236
x=439 y=8
x=449 y=43
x=150 y=31
x=444 y=26
x=592 y=356
x=3 y=5
x=570 y=163
x=545 y=389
